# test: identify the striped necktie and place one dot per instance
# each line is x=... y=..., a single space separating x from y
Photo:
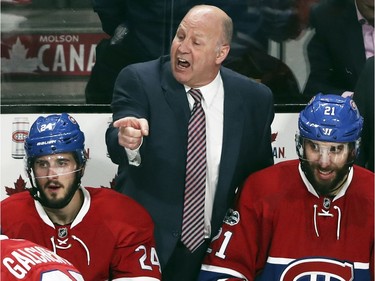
x=192 y=235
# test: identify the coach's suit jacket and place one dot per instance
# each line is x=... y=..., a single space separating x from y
x=336 y=51
x=149 y=90
x=364 y=97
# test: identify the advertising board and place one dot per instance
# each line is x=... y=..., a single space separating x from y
x=100 y=171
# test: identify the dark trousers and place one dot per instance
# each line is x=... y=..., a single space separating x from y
x=184 y=265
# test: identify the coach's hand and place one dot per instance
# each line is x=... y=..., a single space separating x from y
x=131 y=131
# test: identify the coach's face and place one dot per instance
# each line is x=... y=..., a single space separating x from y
x=327 y=165
x=56 y=178
x=197 y=50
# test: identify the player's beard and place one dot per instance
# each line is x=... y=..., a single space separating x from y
x=325 y=188
x=59 y=203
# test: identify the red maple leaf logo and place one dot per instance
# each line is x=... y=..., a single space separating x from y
x=274 y=136
x=19 y=186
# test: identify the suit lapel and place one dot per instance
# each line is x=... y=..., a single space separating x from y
x=233 y=120
x=232 y=132
x=175 y=96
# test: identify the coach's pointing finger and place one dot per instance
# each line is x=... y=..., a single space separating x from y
x=133 y=122
x=131 y=131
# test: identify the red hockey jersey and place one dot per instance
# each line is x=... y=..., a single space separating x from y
x=110 y=239
x=24 y=260
x=282 y=230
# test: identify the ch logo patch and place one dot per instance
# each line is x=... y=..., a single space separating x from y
x=318 y=269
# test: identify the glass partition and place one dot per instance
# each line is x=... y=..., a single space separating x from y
x=49 y=47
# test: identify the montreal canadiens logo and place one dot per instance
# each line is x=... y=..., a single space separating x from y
x=72 y=119
x=19 y=136
x=318 y=269
x=353 y=104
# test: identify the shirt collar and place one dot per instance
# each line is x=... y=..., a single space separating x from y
x=210 y=90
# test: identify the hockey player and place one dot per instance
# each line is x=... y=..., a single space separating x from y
x=307 y=219
x=25 y=260
x=105 y=235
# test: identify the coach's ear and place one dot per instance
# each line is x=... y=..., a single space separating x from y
x=222 y=53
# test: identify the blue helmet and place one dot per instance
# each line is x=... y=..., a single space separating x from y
x=55 y=134
x=330 y=118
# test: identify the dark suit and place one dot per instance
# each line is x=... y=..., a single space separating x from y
x=364 y=97
x=149 y=90
x=336 y=52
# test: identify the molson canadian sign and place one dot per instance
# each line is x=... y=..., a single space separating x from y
x=49 y=54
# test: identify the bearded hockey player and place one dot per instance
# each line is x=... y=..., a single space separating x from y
x=104 y=234
x=304 y=220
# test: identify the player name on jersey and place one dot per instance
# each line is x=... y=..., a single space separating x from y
x=19 y=262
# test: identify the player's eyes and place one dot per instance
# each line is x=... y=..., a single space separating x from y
x=58 y=164
x=314 y=146
x=62 y=163
x=41 y=164
x=336 y=149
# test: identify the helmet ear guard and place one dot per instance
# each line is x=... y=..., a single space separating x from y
x=299 y=146
x=329 y=118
